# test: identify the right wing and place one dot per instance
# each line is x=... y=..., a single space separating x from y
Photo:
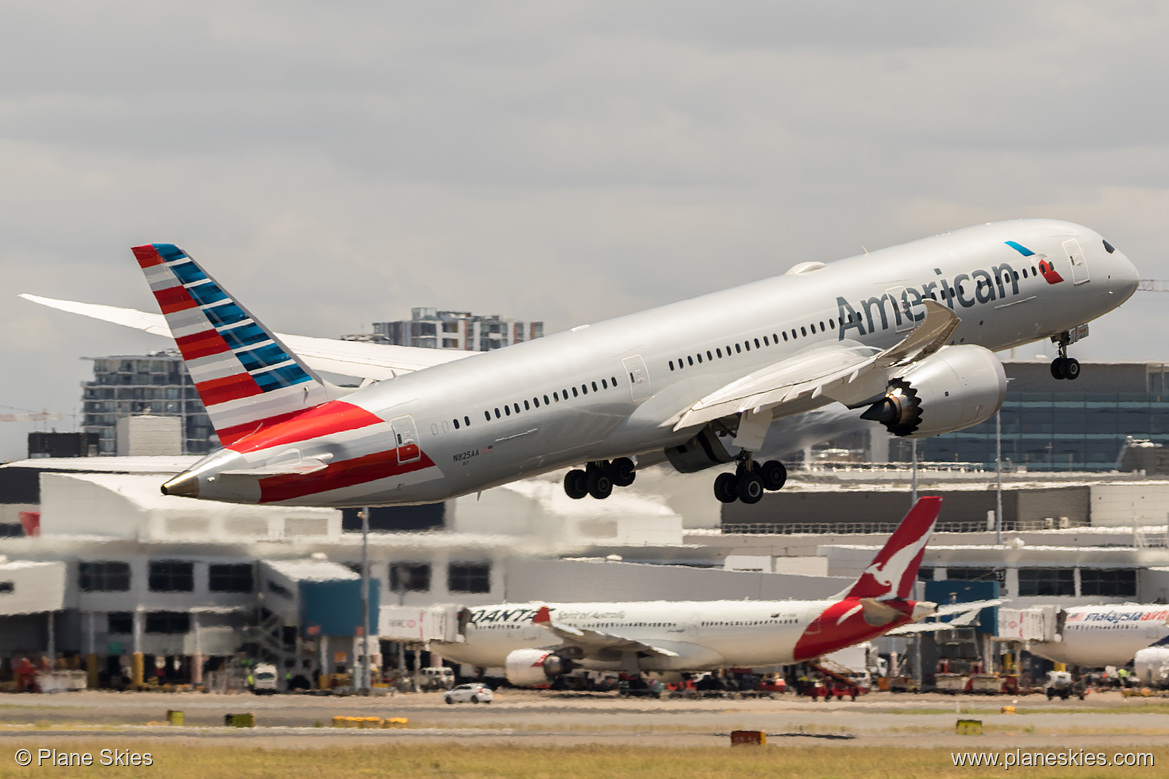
x=847 y=372
x=591 y=641
x=347 y=358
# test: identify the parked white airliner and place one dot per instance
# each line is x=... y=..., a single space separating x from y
x=902 y=335
x=1096 y=636
x=537 y=642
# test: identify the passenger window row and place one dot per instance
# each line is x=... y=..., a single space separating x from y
x=718 y=353
x=557 y=396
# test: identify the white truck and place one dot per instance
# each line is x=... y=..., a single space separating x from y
x=264 y=681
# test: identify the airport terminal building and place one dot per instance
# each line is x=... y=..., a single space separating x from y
x=108 y=575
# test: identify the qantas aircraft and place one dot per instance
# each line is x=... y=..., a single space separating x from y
x=536 y=642
x=1096 y=636
x=903 y=336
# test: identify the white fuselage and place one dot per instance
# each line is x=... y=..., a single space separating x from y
x=1096 y=636
x=703 y=635
x=610 y=389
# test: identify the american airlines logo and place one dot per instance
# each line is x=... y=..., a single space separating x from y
x=901 y=306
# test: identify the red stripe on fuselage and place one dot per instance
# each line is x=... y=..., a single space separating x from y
x=336 y=416
x=174 y=299
x=381 y=465
x=202 y=345
x=147 y=256
x=216 y=391
x=828 y=633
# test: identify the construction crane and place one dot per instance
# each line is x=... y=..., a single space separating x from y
x=30 y=416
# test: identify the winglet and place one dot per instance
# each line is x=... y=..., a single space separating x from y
x=894 y=570
x=543 y=616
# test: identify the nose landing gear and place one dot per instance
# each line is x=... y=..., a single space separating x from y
x=1064 y=367
x=599 y=478
x=750 y=480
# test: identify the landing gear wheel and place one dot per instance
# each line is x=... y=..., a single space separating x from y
x=749 y=487
x=622 y=471
x=576 y=484
x=774 y=475
x=598 y=483
x=725 y=488
x=1065 y=368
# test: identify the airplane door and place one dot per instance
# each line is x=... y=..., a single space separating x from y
x=1079 y=265
x=639 y=389
x=904 y=315
x=407 y=439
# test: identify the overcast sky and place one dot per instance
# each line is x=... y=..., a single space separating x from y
x=336 y=164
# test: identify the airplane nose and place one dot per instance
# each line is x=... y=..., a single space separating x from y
x=1128 y=278
x=185 y=485
x=1123 y=276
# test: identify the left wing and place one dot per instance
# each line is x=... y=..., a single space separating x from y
x=848 y=372
x=375 y=362
x=591 y=641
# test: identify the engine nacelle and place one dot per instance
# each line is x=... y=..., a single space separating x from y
x=529 y=667
x=700 y=452
x=955 y=388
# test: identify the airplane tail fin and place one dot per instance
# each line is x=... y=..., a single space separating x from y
x=893 y=571
x=244 y=375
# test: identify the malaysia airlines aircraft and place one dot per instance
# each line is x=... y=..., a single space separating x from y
x=536 y=642
x=903 y=335
x=1096 y=636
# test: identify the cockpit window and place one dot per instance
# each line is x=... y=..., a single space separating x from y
x=1109 y=247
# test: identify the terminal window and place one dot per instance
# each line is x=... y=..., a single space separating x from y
x=410 y=577
x=168 y=622
x=120 y=622
x=1047 y=581
x=172 y=576
x=1112 y=583
x=104 y=577
x=230 y=577
x=469 y=577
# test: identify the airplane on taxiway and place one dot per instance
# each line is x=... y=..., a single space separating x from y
x=904 y=336
x=537 y=642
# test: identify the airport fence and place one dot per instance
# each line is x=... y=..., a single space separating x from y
x=882 y=528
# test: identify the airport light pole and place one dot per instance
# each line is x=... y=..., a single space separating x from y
x=365 y=681
x=998 y=468
x=913 y=482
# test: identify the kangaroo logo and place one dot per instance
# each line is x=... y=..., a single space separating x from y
x=889 y=573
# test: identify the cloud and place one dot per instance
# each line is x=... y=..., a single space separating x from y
x=336 y=165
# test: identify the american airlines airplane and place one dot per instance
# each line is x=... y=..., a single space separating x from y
x=537 y=642
x=1096 y=636
x=903 y=336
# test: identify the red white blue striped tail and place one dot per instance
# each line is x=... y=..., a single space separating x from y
x=246 y=378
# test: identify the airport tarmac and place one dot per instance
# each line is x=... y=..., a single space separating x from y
x=549 y=718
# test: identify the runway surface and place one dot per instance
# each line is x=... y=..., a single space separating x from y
x=544 y=717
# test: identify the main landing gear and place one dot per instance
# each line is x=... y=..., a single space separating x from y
x=749 y=480
x=599 y=478
x=1064 y=367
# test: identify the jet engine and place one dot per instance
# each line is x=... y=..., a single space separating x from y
x=529 y=667
x=955 y=388
x=700 y=452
